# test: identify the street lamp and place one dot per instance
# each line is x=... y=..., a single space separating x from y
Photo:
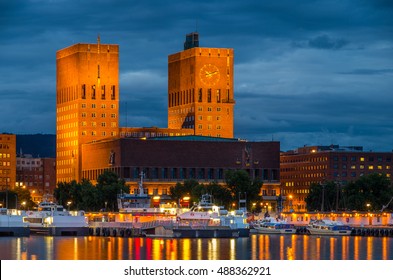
x=368 y=206
x=24 y=205
x=68 y=204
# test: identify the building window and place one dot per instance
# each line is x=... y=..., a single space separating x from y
x=83 y=105
x=218 y=95
x=361 y=158
x=103 y=92
x=93 y=105
x=113 y=92
x=353 y=158
x=200 y=95
x=209 y=95
x=93 y=92
x=83 y=92
x=103 y=124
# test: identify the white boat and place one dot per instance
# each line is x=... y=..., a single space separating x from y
x=140 y=204
x=274 y=226
x=206 y=215
x=53 y=219
x=328 y=227
x=12 y=224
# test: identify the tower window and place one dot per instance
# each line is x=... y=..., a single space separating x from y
x=200 y=95
x=93 y=92
x=209 y=95
x=83 y=92
x=113 y=92
x=103 y=92
x=218 y=95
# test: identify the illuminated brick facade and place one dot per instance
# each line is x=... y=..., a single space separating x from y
x=166 y=161
x=87 y=102
x=200 y=90
x=317 y=164
x=38 y=175
x=7 y=161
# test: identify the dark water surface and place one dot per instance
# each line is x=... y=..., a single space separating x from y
x=256 y=247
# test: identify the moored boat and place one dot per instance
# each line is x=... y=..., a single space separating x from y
x=274 y=226
x=206 y=219
x=53 y=219
x=328 y=227
x=12 y=224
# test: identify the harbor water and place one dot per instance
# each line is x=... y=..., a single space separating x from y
x=256 y=247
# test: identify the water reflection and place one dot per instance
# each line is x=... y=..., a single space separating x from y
x=257 y=247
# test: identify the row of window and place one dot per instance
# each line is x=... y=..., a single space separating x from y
x=188 y=96
x=94 y=106
x=94 y=115
x=95 y=93
x=4 y=155
x=94 y=133
x=180 y=173
x=103 y=124
x=344 y=158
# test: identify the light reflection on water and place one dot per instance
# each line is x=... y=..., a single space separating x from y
x=257 y=247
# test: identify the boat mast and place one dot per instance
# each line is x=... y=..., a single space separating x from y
x=140 y=185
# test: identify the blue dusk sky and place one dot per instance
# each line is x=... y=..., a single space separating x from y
x=306 y=72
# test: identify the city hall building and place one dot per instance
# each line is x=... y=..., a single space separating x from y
x=198 y=143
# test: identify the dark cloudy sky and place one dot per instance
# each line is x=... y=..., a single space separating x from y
x=306 y=72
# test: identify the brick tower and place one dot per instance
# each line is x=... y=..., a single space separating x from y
x=87 y=102
x=200 y=89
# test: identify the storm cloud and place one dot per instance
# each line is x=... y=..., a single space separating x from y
x=306 y=72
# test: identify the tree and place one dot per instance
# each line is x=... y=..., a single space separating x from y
x=374 y=190
x=239 y=183
x=187 y=188
x=110 y=185
x=322 y=194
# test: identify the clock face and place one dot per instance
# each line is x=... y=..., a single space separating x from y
x=209 y=74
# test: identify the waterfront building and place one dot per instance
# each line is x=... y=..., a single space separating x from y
x=36 y=174
x=197 y=144
x=200 y=89
x=306 y=165
x=164 y=161
x=7 y=163
x=87 y=102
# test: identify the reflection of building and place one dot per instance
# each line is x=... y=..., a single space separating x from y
x=7 y=161
x=38 y=175
x=165 y=161
x=200 y=89
x=318 y=164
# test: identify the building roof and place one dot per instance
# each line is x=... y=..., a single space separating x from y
x=196 y=138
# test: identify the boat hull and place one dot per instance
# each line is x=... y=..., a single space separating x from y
x=329 y=232
x=60 y=231
x=15 y=231
x=275 y=231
